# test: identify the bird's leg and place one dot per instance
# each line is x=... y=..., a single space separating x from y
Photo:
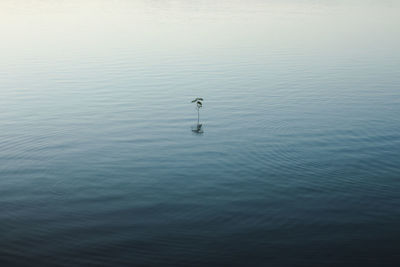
x=198 y=117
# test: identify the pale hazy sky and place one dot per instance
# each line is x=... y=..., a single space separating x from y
x=61 y=28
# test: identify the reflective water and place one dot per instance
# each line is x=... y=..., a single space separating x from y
x=298 y=164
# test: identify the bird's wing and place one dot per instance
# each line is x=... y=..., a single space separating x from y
x=197 y=99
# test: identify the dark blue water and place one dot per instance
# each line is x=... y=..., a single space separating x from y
x=298 y=164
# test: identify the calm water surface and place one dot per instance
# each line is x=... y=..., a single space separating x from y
x=298 y=165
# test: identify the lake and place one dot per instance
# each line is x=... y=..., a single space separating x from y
x=298 y=163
